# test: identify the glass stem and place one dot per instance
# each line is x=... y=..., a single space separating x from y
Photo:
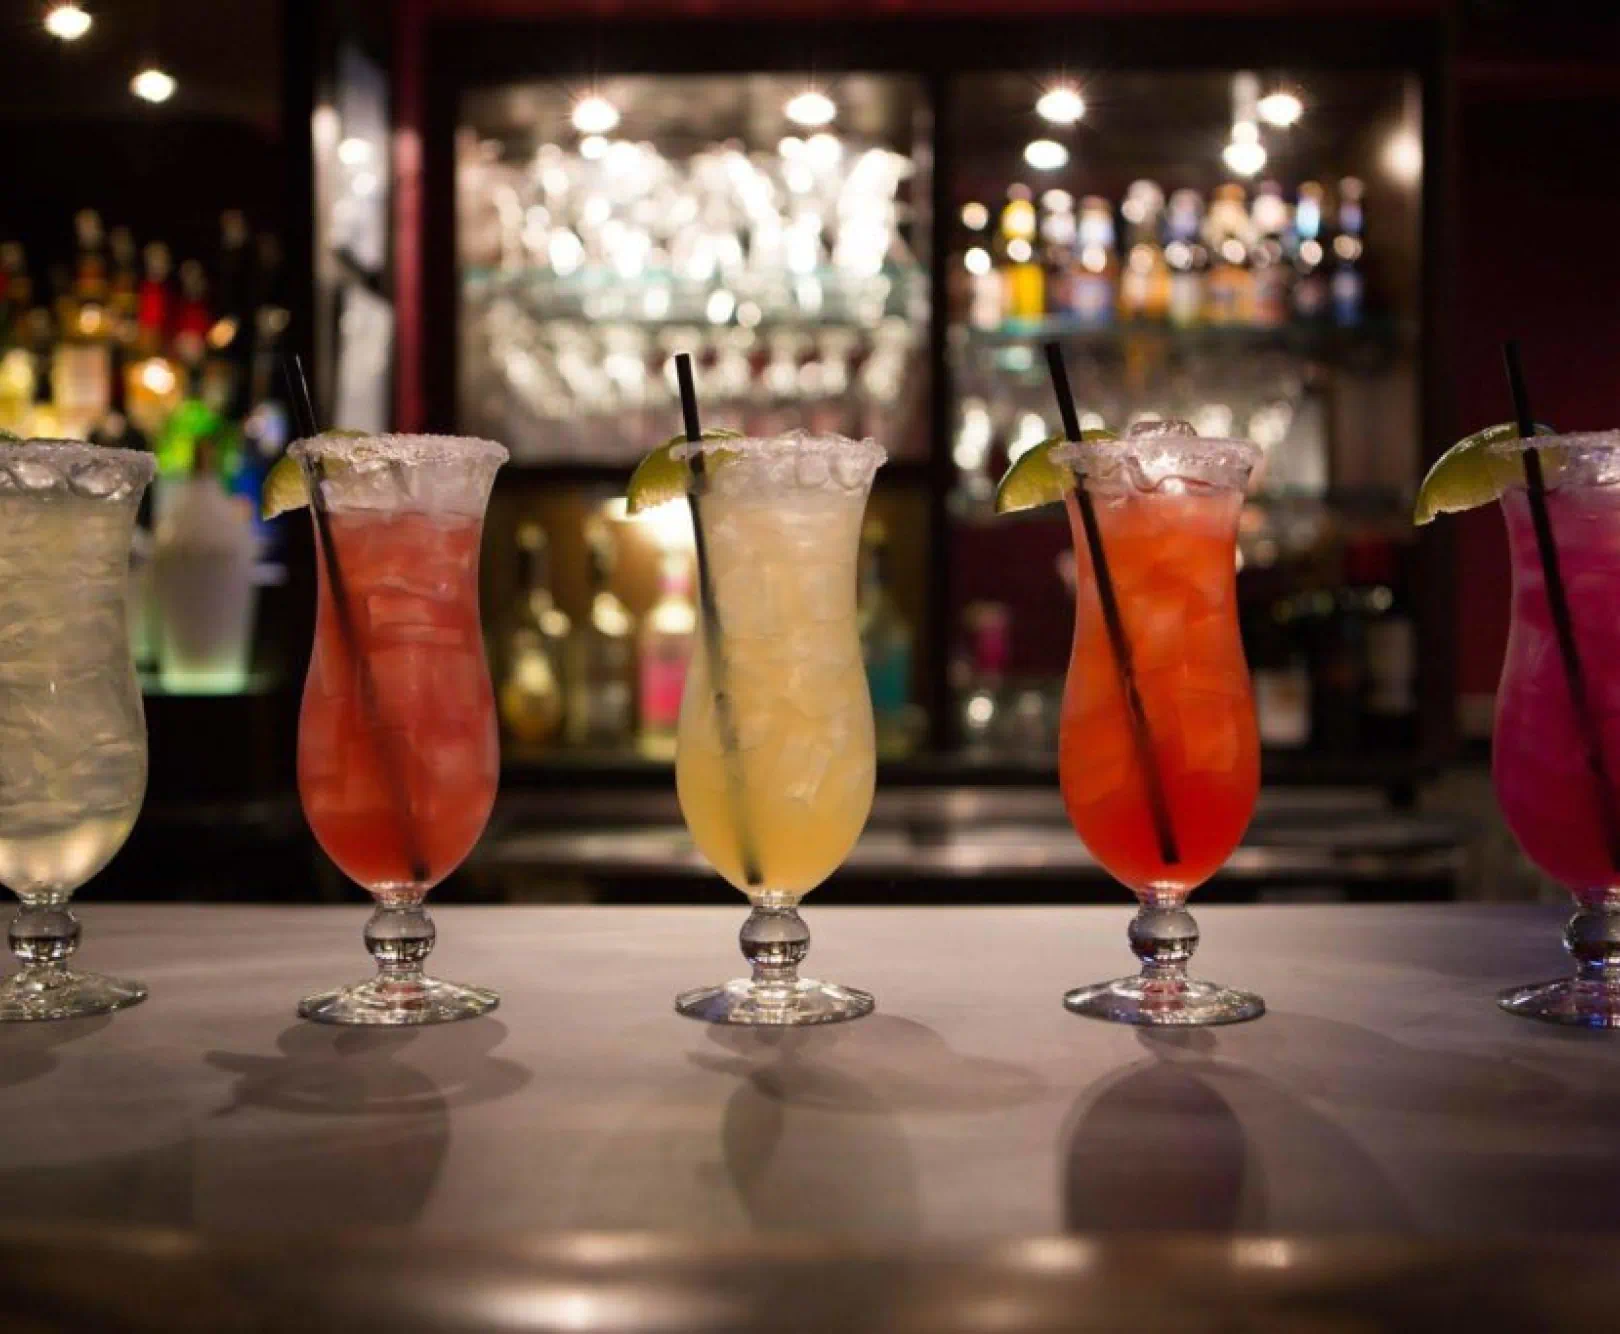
x=44 y=937
x=1163 y=936
x=400 y=936
x=1593 y=939
x=775 y=940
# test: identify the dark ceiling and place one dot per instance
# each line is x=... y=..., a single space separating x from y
x=1166 y=126
x=681 y=113
x=226 y=55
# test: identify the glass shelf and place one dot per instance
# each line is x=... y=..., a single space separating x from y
x=1318 y=341
x=821 y=298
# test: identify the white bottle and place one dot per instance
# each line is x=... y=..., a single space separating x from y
x=203 y=575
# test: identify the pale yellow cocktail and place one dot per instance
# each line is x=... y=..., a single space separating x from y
x=782 y=556
x=778 y=809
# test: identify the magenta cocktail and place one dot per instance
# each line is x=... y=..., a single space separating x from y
x=1553 y=774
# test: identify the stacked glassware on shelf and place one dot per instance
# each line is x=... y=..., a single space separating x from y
x=788 y=274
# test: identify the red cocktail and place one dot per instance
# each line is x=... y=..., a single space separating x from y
x=416 y=782
x=398 y=755
x=1159 y=756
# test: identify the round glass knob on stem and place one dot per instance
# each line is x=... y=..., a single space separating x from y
x=44 y=938
x=1590 y=999
x=400 y=937
x=775 y=941
x=1164 y=936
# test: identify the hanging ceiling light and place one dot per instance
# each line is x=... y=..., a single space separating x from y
x=67 y=21
x=810 y=108
x=1061 y=104
x=1244 y=154
x=1280 y=108
x=153 y=85
x=1046 y=154
x=594 y=114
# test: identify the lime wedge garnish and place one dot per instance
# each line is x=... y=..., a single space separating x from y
x=284 y=487
x=1035 y=480
x=660 y=477
x=1471 y=473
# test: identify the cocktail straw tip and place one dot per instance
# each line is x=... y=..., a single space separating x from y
x=689 y=407
x=292 y=370
x=1060 y=386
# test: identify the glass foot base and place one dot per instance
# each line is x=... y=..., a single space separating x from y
x=1573 y=1000
x=1182 y=1003
x=804 y=1001
x=60 y=993
x=421 y=1000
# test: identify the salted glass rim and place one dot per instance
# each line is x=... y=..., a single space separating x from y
x=1572 y=440
x=400 y=447
x=1218 y=460
x=1584 y=458
x=74 y=466
x=49 y=449
x=795 y=462
x=797 y=441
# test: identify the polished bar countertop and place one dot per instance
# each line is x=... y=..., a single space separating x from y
x=1383 y=1093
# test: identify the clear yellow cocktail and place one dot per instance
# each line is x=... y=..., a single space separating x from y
x=775 y=756
x=782 y=558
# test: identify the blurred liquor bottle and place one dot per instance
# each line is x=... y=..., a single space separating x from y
x=43 y=421
x=82 y=363
x=1060 y=252
x=90 y=283
x=1310 y=297
x=123 y=288
x=64 y=309
x=664 y=653
x=203 y=412
x=601 y=712
x=1273 y=276
x=230 y=337
x=1021 y=273
x=886 y=642
x=152 y=382
x=1279 y=672
x=532 y=688
x=1378 y=597
x=16 y=292
x=192 y=318
x=17 y=369
x=979 y=677
x=1187 y=257
x=1096 y=280
x=1229 y=294
x=1349 y=287
x=1144 y=283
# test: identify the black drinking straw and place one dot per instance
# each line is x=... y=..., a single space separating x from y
x=712 y=641
x=1558 y=603
x=393 y=773
x=1141 y=734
